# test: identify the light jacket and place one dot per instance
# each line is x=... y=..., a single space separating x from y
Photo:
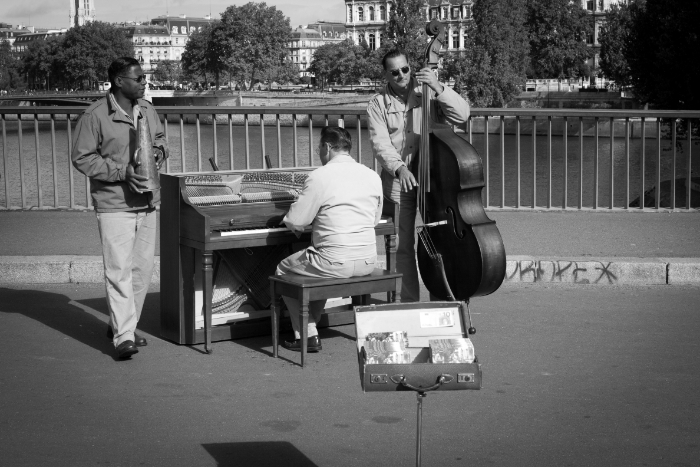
x=395 y=126
x=104 y=143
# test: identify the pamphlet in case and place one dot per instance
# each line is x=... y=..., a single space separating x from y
x=422 y=322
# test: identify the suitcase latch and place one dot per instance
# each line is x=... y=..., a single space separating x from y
x=377 y=379
x=465 y=377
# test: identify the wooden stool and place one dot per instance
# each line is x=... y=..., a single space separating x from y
x=308 y=289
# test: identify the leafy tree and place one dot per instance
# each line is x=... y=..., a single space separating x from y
x=42 y=61
x=660 y=50
x=614 y=40
x=253 y=38
x=10 y=73
x=343 y=62
x=493 y=66
x=168 y=70
x=558 y=30
x=405 y=29
x=87 y=51
x=282 y=73
x=206 y=52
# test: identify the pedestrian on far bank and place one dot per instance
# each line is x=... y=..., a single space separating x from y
x=105 y=138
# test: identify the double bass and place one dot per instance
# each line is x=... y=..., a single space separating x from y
x=460 y=252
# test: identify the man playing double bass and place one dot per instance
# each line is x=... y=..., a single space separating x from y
x=395 y=130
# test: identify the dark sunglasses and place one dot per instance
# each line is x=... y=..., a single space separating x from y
x=403 y=70
x=139 y=79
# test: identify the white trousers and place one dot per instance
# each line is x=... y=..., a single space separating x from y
x=128 y=249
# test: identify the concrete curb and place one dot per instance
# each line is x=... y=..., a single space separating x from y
x=522 y=269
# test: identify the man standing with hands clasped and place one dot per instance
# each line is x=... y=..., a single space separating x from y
x=106 y=138
x=395 y=116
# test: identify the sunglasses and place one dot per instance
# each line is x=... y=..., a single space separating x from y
x=403 y=70
x=139 y=79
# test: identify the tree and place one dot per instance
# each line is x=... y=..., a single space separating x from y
x=168 y=70
x=42 y=61
x=406 y=30
x=491 y=70
x=558 y=31
x=659 y=52
x=342 y=62
x=253 y=38
x=196 y=58
x=614 y=40
x=87 y=51
x=10 y=77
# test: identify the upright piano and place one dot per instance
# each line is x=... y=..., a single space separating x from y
x=226 y=227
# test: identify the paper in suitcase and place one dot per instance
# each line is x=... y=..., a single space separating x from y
x=394 y=347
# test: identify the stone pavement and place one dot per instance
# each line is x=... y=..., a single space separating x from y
x=604 y=248
x=573 y=376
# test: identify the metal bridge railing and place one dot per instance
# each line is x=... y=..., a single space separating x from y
x=532 y=158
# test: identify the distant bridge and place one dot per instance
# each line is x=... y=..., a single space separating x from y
x=51 y=99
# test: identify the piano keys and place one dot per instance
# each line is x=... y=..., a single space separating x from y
x=208 y=221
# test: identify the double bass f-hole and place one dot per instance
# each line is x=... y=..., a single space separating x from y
x=453 y=217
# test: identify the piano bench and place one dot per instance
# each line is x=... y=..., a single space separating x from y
x=308 y=289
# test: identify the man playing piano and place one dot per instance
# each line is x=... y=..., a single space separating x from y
x=105 y=139
x=342 y=201
x=394 y=117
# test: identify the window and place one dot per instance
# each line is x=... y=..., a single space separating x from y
x=455 y=13
x=590 y=5
x=467 y=12
x=349 y=13
x=382 y=13
x=433 y=14
x=372 y=42
x=455 y=39
x=371 y=13
x=444 y=12
x=360 y=14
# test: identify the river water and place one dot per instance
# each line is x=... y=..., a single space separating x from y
x=196 y=155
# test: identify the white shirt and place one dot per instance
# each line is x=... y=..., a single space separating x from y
x=343 y=200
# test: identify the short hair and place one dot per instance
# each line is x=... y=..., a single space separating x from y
x=119 y=66
x=393 y=53
x=339 y=138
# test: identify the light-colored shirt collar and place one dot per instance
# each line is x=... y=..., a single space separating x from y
x=132 y=118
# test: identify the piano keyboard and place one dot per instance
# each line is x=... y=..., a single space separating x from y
x=233 y=232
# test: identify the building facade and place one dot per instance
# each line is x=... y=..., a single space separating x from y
x=598 y=10
x=366 y=20
x=152 y=44
x=302 y=45
x=81 y=12
x=180 y=27
x=23 y=41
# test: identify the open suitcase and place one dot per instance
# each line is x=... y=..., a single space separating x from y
x=421 y=322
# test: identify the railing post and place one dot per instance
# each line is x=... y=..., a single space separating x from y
x=642 y=164
x=359 y=139
x=534 y=162
x=4 y=161
x=294 y=132
x=517 y=162
x=70 y=163
x=279 y=142
x=673 y=164
x=167 y=141
x=580 y=163
x=565 y=190
x=549 y=162
x=612 y=163
x=247 y=142
x=627 y=163
x=595 y=168
x=689 y=171
x=311 y=140
x=182 y=144
x=658 y=165
x=230 y=141
x=503 y=157
x=262 y=138
x=216 y=141
x=53 y=160
x=199 y=146
x=21 y=168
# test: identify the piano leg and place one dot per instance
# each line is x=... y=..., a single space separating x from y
x=208 y=273
x=275 y=309
x=304 y=329
x=390 y=251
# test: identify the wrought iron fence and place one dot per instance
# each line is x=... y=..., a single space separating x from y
x=532 y=158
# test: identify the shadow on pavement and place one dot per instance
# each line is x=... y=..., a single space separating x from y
x=56 y=311
x=260 y=454
x=150 y=314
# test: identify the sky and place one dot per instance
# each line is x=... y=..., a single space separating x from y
x=54 y=13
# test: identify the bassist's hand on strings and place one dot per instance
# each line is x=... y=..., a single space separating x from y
x=408 y=181
x=427 y=76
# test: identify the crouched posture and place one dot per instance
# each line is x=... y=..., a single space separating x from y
x=342 y=200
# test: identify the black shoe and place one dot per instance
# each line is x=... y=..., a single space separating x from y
x=138 y=340
x=126 y=349
x=313 y=344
